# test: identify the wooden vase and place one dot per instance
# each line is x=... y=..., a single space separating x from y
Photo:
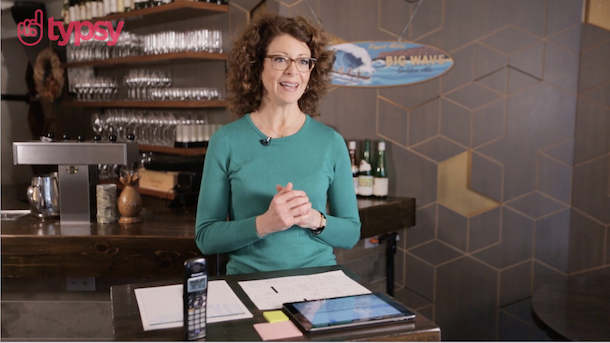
x=130 y=202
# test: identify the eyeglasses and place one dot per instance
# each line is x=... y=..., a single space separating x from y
x=304 y=64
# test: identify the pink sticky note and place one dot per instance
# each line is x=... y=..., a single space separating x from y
x=279 y=330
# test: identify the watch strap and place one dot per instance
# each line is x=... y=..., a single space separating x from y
x=322 y=227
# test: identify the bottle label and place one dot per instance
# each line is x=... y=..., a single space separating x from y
x=355 y=184
x=380 y=187
x=365 y=185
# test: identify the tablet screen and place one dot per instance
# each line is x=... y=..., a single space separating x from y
x=347 y=311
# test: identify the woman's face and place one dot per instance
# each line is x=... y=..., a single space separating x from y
x=285 y=87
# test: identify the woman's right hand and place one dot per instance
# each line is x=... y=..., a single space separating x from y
x=285 y=208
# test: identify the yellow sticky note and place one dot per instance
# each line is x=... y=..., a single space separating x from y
x=275 y=316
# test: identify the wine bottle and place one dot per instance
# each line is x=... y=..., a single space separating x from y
x=352 y=157
x=365 y=172
x=128 y=5
x=74 y=11
x=120 y=6
x=88 y=9
x=107 y=6
x=380 y=176
x=65 y=12
x=94 y=13
x=82 y=7
x=101 y=11
x=140 y=4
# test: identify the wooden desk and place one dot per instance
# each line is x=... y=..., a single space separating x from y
x=577 y=310
x=157 y=247
x=128 y=325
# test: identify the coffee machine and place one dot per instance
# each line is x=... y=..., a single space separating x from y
x=77 y=162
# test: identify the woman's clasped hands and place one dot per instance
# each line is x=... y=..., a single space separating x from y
x=289 y=207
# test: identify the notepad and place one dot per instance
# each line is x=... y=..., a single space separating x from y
x=270 y=294
x=161 y=307
x=279 y=330
x=275 y=316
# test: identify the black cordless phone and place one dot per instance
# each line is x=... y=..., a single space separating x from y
x=195 y=293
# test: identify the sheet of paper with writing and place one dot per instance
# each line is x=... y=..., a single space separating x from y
x=161 y=307
x=270 y=294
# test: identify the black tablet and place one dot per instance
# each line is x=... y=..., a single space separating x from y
x=346 y=312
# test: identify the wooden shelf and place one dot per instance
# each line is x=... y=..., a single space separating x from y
x=163 y=195
x=174 y=151
x=145 y=191
x=147 y=104
x=179 y=9
x=182 y=56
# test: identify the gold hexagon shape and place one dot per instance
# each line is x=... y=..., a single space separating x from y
x=452 y=187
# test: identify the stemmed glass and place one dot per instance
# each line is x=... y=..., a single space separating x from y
x=97 y=124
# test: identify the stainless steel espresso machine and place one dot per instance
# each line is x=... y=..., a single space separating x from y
x=77 y=162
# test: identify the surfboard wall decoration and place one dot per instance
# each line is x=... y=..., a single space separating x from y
x=378 y=64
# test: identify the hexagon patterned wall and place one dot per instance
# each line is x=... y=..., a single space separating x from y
x=508 y=154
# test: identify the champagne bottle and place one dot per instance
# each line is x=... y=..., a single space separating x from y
x=365 y=172
x=352 y=157
x=380 y=176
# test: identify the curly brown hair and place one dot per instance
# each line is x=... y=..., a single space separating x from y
x=247 y=57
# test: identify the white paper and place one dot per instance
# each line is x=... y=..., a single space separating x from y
x=270 y=294
x=161 y=307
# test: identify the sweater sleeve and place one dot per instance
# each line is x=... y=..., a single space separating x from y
x=343 y=220
x=214 y=234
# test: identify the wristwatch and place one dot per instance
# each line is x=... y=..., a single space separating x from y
x=322 y=225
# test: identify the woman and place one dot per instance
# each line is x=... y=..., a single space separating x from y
x=274 y=170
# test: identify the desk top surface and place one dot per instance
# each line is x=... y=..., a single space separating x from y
x=128 y=325
x=577 y=309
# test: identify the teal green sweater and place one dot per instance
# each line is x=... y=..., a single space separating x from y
x=239 y=179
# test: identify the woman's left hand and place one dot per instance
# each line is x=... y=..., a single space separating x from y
x=309 y=220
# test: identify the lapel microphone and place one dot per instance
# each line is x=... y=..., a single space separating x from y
x=266 y=142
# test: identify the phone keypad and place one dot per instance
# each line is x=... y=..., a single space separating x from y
x=196 y=317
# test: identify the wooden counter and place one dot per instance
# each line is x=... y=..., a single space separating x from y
x=156 y=247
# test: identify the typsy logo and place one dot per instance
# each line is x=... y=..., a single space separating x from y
x=101 y=31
